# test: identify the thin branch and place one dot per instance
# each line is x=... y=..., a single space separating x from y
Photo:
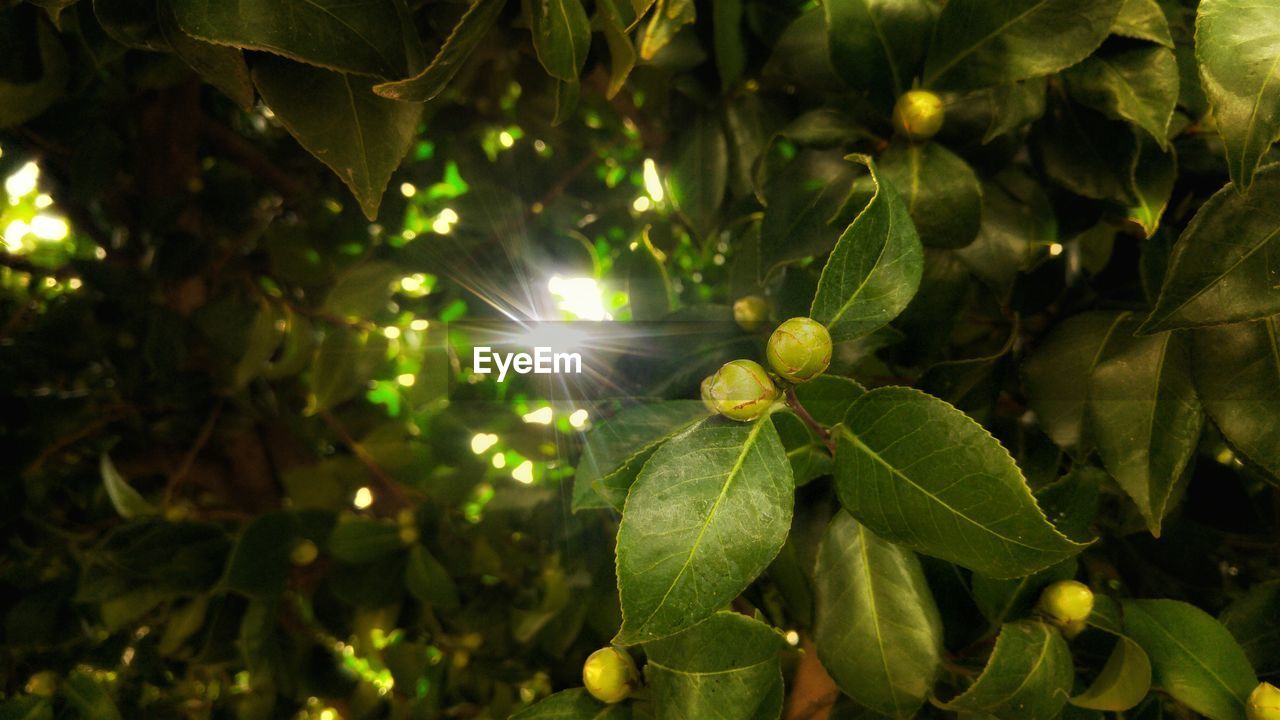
x=818 y=428
x=387 y=485
x=188 y=460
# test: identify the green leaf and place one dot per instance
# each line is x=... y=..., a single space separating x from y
x=259 y=563
x=1056 y=376
x=805 y=451
x=1014 y=105
x=1145 y=415
x=1086 y=152
x=1152 y=176
x=878 y=45
x=1002 y=600
x=19 y=101
x=1254 y=620
x=128 y=502
x=978 y=43
x=942 y=192
x=343 y=363
x=1135 y=84
x=668 y=17
x=1028 y=677
x=802 y=203
x=428 y=581
x=699 y=174
x=363 y=540
x=1143 y=20
x=264 y=337
x=1223 y=268
x=878 y=631
x=617 y=448
x=1123 y=681
x=706 y=515
x=622 y=52
x=1193 y=657
x=573 y=704
x=731 y=51
x=337 y=118
x=89 y=698
x=648 y=288
x=26 y=707
x=1237 y=376
x=726 y=668
x=952 y=491
x=359 y=36
x=828 y=397
x=362 y=291
x=462 y=41
x=874 y=269
x=561 y=36
x=221 y=66
x=1017 y=222
x=1238 y=50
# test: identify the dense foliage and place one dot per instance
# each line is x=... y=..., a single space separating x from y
x=1021 y=464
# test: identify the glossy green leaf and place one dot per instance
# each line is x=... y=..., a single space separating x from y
x=1223 y=268
x=878 y=632
x=363 y=540
x=806 y=452
x=1254 y=620
x=707 y=514
x=668 y=17
x=726 y=668
x=128 y=502
x=1056 y=376
x=1028 y=677
x=359 y=36
x=1139 y=85
x=1086 y=152
x=828 y=397
x=1237 y=376
x=878 y=45
x=1193 y=657
x=337 y=118
x=951 y=491
x=874 y=269
x=427 y=580
x=803 y=202
x=978 y=43
x=1237 y=46
x=22 y=101
x=573 y=704
x=561 y=35
x=1145 y=415
x=942 y=192
x=1143 y=20
x=699 y=173
x=1153 y=174
x=617 y=448
x=622 y=52
x=1122 y=683
x=1014 y=106
x=462 y=41
x=221 y=66
x=1017 y=221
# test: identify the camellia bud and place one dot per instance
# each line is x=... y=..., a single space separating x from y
x=707 y=400
x=1066 y=601
x=610 y=675
x=750 y=312
x=1264 y=703
x=918 y=115
x=304 y=553
x=742 y=390
x=1073 y=628
x=800 y=349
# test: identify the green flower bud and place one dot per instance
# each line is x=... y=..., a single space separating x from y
x=1264 y=703
x=918 y=115
x=800 y=349
x=610 y=675
x=1073 y=628
x=707 y=400
x=1066 y=601
x=304 y=553
x=750 y=312
x=742 y=390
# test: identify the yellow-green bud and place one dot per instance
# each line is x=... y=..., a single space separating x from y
x=707 y=400
x=1066 y=601
x=42 y=684
x=800 y=349
x=1264 y=703
x=304 y=553
x=1072 y=628
x=742 y=390
x=408 y=535
x=750 y=312
x=610 y=675
x=918 y=115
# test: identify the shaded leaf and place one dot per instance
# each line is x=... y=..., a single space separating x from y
x=1254 y=620
x=573 y=704
x=362 y=291
x=668 y=17
x=1135 y=84
x=1003 y=600
x=1123 y=682
x=561 y=35
x=802 y=203
x=363 y=540
x=1143 y=20
x=1056 y=376
x=472 y=27
x=1028 y=677
x=699 y=173
x=19 y=101
x=878 y=45
x=1153 y=174
x=88 y=696
x=128 y=502
x=942 y=192
x=1237 y=376
x=427 y=580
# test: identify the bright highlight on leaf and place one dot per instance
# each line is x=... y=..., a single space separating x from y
x=482 y=442
x=541 y=416
x=523 y=472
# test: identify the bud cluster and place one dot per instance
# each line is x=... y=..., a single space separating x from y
x=798 y=351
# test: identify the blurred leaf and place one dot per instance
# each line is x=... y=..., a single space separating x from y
x=668 y=17
x=699 y=173
x=362 y=540
x=561 y=35
x=363 y=291
x=622 y=53
x=953 y=492
x=1143 y=20
x=128 y=502
x=427 y=580
x=878 y=631
x=803 y=202
x=730 y=46
x=19 y=101
x=89 y=698
x=264 y=337
x=259 y=563
x=573 y=704
x=682 y=553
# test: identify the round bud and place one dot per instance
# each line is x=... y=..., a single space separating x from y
x=800 y=349
x=707 y=400
x=1066 y=601
x=406 y=518
x=918 y=115
x=304 y=553
x=42 y=684
x=742 y=390
x=177 y=513
x=750 y=312
x=1073 y=628
x=610 y=675
x=1264 y=703
x=408 y=535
